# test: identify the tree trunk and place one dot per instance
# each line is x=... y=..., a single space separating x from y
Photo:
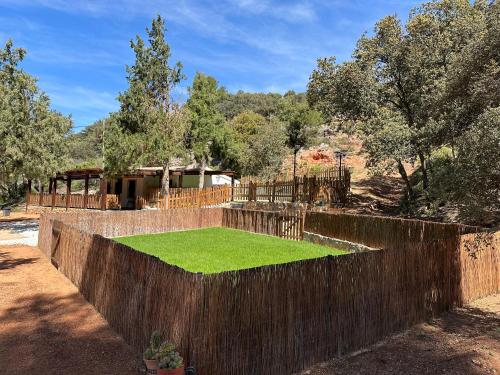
x=294 y=191
x=294 y=163
x=404 y=175
x=203 y=166
x=425 y=178
x=165 y=179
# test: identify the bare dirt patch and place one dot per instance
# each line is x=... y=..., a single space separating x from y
x=47 y=327
x=464 y=341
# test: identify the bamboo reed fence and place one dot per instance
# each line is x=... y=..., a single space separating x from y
x=274 y=319
x=284 y=224
x=128 y=223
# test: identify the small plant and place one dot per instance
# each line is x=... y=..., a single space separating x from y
x=170 y=362
x=152 y=351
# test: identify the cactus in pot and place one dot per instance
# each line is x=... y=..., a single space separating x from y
x=170 y=362
x=152 y=352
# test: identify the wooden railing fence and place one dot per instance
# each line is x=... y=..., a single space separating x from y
x=186 y=198
x=331 y=188
x=75 y=200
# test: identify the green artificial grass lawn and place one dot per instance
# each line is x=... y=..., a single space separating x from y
x=214 y=250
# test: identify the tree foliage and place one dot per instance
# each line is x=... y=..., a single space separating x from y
x=148 y=129
x=415 y=88
x=206 y=120
x=33 y=135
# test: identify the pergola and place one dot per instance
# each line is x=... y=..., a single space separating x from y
x=86 y=174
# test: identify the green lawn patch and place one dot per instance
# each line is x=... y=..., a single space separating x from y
x=214 y=250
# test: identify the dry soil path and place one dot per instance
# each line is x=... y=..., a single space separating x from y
x=46 y=326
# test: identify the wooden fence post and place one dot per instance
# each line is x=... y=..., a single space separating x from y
x=68 y=192
x=40 y=198
x=54 y=191
x=28 y=194
x=103 y=187
x=274 y=191
x=86 y=192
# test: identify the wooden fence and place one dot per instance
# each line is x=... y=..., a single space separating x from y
x=284 y=224
x=307 y=189
x=75 y=200
x=329 y=172
x=186 y=198
x=274 y=319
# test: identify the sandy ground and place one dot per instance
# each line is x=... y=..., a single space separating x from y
x=19 y=232
x=46 y=326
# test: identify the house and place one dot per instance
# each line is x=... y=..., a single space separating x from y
x=123 y=191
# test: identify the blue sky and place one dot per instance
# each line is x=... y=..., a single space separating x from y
x=78 y=49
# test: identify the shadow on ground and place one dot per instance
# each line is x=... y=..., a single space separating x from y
x=46 y=326
x=7 y=262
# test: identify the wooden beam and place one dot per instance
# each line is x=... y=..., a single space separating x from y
x=86 y=192
x=68 y=192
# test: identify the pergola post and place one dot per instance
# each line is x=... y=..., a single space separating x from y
x=86 y=192
x=181 y=177
x=104 y=192
x=28 y=194
x=54 y=191
x=40 y=196
x=68 y=192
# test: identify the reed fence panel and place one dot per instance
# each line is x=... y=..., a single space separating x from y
x=284 y=224
x=275 y=319
x=128 y=223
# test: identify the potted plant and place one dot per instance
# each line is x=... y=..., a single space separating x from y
x=170 y=362
x=152 y=352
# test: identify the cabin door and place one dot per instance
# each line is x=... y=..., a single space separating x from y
x=131 y=194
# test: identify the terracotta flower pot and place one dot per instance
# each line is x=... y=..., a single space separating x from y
x=177 y=371
x=152 y=366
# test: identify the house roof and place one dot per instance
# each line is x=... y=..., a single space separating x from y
x=82 y=173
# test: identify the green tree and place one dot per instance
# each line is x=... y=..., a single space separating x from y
x=265 y=152
x=301 y=124
x=246 y=124
x=206 y=120
x=33 y=136
x=232 y=104
x=402 y=70
x=146 y=110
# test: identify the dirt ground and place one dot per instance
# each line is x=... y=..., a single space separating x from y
x=465 y=341
x=46 y=327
